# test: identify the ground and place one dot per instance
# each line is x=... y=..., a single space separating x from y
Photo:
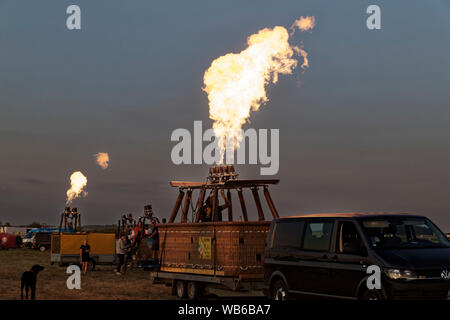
x=102 y=283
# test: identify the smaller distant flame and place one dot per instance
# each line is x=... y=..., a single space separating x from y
x=102 y=159
x=77 y=183
x=304 y=23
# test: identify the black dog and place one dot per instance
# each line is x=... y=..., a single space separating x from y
x=28 y=281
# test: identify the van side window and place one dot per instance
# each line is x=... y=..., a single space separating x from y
x=317 y=236
x=287 y=234
x=349 y=241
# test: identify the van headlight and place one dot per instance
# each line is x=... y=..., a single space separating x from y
x=398 y=274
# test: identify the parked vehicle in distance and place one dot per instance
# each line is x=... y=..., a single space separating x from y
x=42 y=241
x=28 y=238
x=7 y=241
x=17 y=231
x=327 y=255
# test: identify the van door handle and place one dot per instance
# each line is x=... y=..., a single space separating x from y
x=327 y=257
x=285 y=258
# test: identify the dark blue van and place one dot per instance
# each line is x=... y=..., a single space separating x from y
x=333 y=255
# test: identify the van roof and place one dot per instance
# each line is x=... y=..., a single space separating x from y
x=348 y=215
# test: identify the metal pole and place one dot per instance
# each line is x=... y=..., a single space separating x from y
x=270 y=203
x=61 y=222
x=243 y=207
x=230 y=208
x=214 y=205
x=175 y=209
x=214 y=245
x=258 y=204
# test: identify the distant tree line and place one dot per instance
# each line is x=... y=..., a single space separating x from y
x=31 y=225
x=35 y=225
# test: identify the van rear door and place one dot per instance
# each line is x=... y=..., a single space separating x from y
x=283 y=249
x=313 y=264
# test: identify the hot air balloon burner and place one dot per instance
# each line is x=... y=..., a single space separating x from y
x=222 y=173
x=70 y=220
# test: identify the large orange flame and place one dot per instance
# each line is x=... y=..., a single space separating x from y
x=235 y=83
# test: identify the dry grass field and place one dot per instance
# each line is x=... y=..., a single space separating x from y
x=102 y=283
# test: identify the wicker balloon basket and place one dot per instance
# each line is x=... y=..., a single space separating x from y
x=222 y=249
x=208 y=244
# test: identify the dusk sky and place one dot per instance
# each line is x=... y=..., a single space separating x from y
x=365 y=128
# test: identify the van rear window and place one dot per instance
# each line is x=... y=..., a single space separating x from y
x=287 y=234
x=318 y=236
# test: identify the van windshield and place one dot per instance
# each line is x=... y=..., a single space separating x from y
x=402 y=233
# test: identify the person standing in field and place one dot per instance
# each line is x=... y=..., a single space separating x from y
x=137 y=236
x=85 y=249
x=155 y=240
x=121 y=251
x=128 y=253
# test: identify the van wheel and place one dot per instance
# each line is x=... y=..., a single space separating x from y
x=193 y=290
x=279 y=291
x=372 y=295
x=181 y=289
x=42 y=248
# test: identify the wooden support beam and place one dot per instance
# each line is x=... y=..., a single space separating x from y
x=258 y=204
x=175 y=209
x=243 y=207
x=187 y=202
x=270 y=203
x=230 y=184
x=187 y=184
x=242 y=183
x=201 y=198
